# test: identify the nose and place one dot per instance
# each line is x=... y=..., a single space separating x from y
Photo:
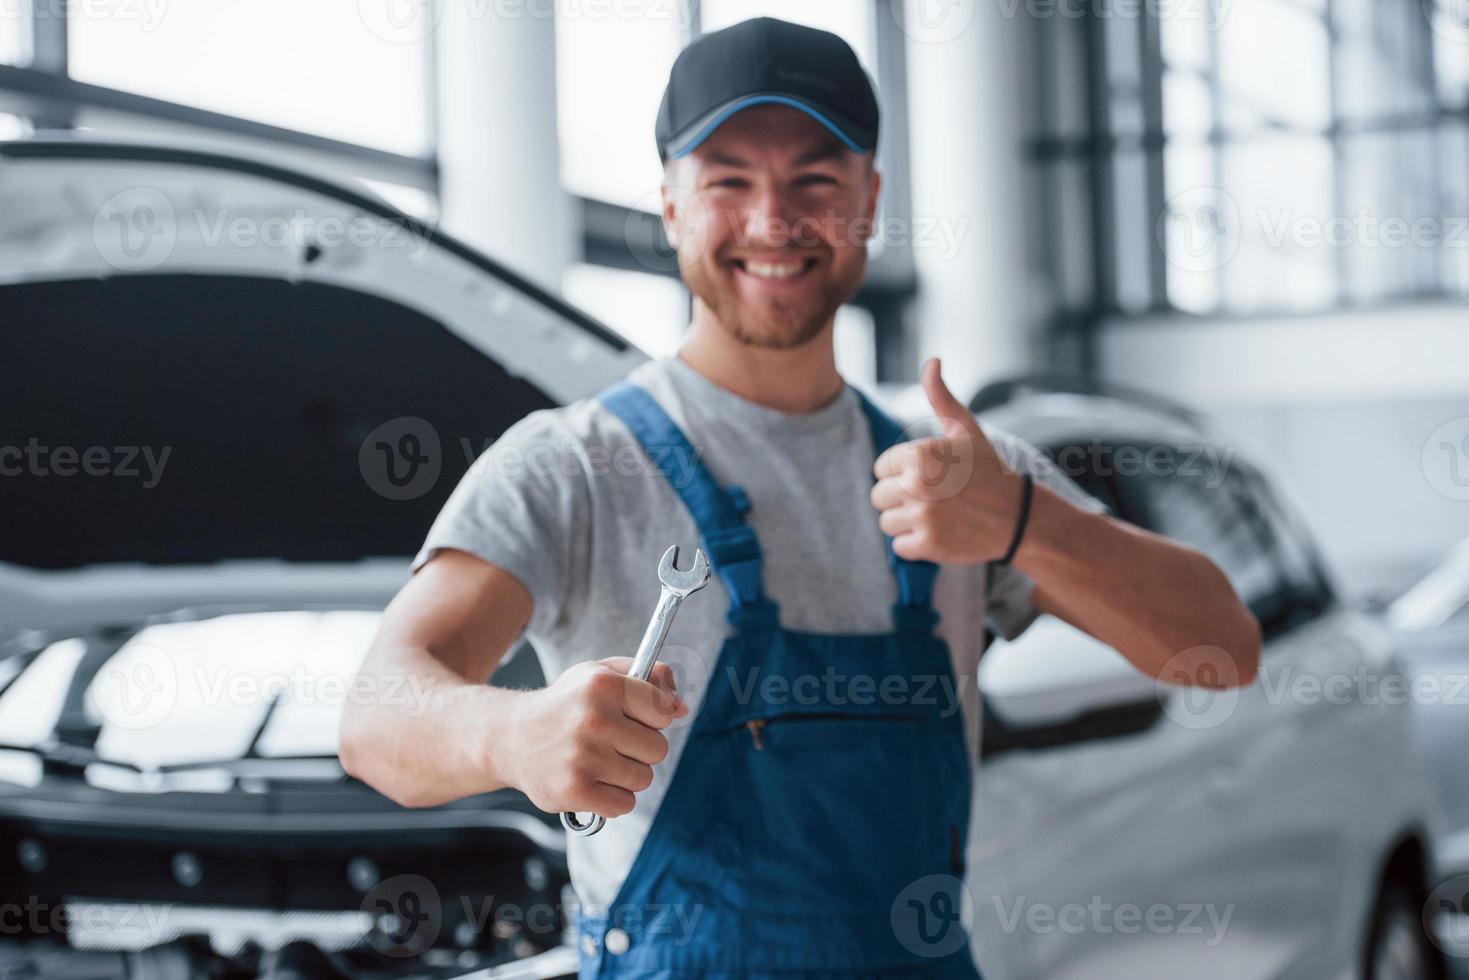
x=769 y=222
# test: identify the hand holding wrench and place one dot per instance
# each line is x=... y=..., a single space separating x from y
x=677 y=586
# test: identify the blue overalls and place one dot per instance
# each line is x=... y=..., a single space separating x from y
x=800 y=830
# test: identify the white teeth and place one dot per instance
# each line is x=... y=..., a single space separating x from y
x=768 y=270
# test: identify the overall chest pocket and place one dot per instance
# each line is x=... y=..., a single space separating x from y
x=839 y=812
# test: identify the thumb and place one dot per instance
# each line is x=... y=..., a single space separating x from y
x=949 y=409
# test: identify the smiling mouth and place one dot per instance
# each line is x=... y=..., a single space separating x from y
x=784 y=270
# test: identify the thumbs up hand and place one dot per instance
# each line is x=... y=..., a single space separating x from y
x=947 y=498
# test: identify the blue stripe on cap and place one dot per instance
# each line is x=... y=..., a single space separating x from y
x=719 y=120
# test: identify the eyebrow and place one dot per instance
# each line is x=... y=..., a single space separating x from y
x=830 y=149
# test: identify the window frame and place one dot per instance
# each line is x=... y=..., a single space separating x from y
x=44 y=93
x=1096 y=146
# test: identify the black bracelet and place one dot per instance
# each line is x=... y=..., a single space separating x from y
x=1027 y=491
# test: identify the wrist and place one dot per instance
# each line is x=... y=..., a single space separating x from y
x=1046 y=531
x=495 y=744
x=1023 y=497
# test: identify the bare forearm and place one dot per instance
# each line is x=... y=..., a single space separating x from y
x=430 y=736
x=1164 y=606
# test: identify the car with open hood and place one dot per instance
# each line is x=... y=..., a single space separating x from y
x=235 y=397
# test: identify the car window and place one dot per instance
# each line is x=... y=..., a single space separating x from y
x=183 y=419
x=1224 y=511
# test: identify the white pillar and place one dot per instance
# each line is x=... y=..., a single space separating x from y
x=498 y=151
x=965 y=101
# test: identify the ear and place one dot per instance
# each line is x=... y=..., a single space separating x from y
x=874 y=189
x=672 y=205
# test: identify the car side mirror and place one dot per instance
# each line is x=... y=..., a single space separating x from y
x=1055 y=685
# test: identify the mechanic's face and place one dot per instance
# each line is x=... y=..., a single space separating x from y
x=771 y=216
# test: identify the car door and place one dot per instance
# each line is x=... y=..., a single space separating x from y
x=1200 y=839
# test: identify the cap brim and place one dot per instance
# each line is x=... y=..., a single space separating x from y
x=853 y=137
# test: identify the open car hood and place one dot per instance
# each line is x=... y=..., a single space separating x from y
x=228 y=384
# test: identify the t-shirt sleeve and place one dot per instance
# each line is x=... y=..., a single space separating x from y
x=1009 y=590
x=524 y=506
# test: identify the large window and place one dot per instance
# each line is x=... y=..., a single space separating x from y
x=315 y=67
x=12 y=35
x=610 y=71
x=1251 y=157
x=339 y=87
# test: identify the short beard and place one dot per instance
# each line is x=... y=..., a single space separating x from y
x=782 y=328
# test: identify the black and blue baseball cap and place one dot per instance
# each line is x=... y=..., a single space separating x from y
x=760 y=62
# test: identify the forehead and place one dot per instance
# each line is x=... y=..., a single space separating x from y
x=771 y=134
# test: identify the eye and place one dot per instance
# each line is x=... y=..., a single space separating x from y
x=814 y=180
x=734 y=183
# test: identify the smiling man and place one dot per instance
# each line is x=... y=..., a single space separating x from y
x=792 y=787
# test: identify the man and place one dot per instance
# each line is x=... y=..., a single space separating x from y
x=804 y=752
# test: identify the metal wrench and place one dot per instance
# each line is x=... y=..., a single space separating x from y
x=677 y=585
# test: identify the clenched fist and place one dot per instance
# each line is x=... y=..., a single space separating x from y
x=948 y=498
x=589 y=741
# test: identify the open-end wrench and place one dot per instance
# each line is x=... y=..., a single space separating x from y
x=677 y=586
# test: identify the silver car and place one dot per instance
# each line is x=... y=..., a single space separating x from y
x=1127 y=828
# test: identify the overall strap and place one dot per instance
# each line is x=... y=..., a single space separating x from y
x=915 y=578
x=719 y=512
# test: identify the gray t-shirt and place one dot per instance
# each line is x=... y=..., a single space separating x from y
x=567 y=502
